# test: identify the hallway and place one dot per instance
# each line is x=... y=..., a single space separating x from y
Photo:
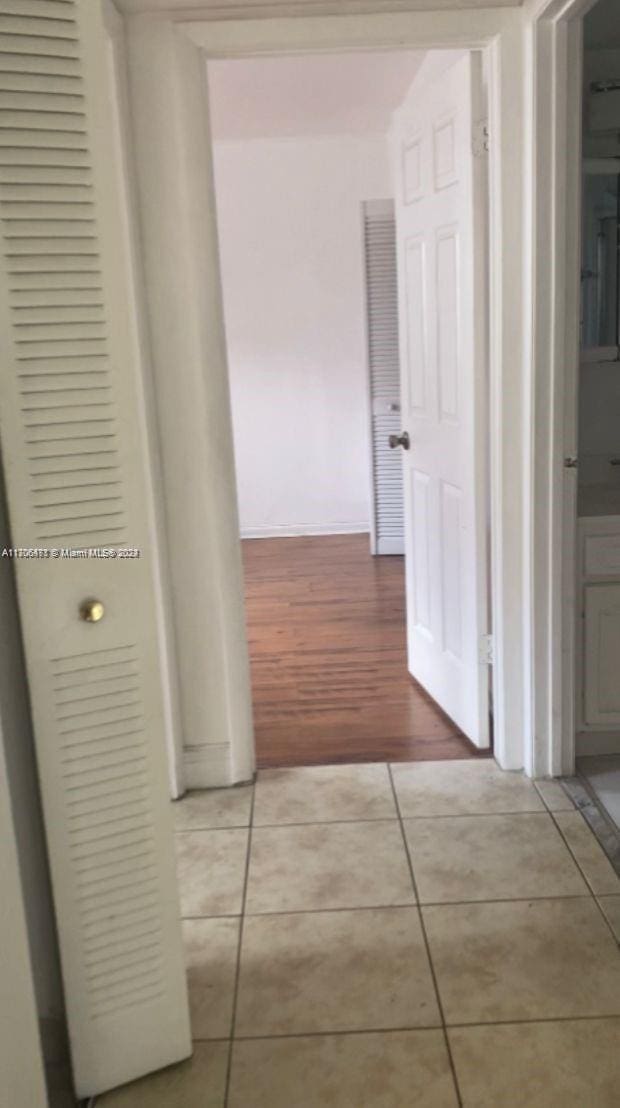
x=326 y=629
x=427 y=935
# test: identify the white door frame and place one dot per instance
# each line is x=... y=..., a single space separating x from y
x=169 y=676
x=166 y=52
x=554 y=51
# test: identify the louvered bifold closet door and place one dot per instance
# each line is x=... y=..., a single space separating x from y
x=74 y=459
x=383 y=360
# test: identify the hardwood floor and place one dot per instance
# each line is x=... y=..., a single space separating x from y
x=326 y=627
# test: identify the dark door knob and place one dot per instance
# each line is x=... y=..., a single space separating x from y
x=400 y=440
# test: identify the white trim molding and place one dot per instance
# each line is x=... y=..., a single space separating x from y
x=296 y=530
x=266 y=9
x=553 y=169
x=169 y=109
x=176 y=204
x=208 y=766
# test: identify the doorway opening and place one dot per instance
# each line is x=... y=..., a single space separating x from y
x=349 y=636
x=597 y=464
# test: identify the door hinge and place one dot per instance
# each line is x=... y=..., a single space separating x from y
x=480 y=138
x=485 y=650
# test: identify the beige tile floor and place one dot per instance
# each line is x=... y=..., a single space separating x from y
x=433 y=934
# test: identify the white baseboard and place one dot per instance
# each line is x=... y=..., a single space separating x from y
x=391 y=546
x=292 y=530
x=209 y=766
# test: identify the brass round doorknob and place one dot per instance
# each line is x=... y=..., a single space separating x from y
x=92 y=611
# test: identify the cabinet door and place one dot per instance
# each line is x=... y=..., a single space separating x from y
x=602 y=654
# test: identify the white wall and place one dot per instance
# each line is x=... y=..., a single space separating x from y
x=291 y=253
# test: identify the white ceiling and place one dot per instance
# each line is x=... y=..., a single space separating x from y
x=602 y=25
x=321 y=94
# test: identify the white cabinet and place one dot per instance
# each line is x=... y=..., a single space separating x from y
x=602 y=655
x=598 y=677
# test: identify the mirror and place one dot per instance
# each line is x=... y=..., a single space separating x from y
x=600 y=287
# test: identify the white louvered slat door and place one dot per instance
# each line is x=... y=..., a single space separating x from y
x=74 y=454
x=384 y=370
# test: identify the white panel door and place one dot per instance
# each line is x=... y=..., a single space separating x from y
x=440 y=215
x=72 y=423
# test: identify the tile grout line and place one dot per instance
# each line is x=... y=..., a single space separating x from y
x=602 y=896
x=394 y=819
x=570 y=807
x=596 y=816
x=241 y=918
x=594 y=896
x=215 y=827
x=356 y=1031
x=411 y=904
x=426 y=942
x=365 y=819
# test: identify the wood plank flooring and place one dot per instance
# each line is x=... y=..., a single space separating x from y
x=326 y=628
